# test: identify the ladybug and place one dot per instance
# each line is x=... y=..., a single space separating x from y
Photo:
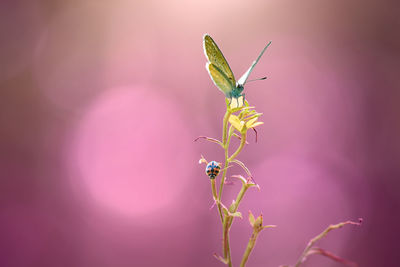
x=213 y=169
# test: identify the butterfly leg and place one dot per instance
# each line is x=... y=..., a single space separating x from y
x=232 y=105
x=238 y=100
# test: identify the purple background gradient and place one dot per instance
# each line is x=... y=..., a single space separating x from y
x=100 y=102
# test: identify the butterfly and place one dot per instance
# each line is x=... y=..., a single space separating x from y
x=222 y=75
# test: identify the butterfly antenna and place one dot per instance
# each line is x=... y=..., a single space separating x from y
x=259 y=79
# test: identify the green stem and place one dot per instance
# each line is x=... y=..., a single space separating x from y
x=225 y=240
x=227 y=220
x=225 y=125
x=242 y=143
x=229 y=252
x=222 y=185
x=214 y=189
x=234 y=207
x=239 y=197
x=228 y=223
x=226 y=141
x=226 y=162
x=249 y=248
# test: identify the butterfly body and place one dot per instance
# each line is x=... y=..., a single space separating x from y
x=220 y=72
x=237 y=91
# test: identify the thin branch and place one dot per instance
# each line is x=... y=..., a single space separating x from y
x=241 y=164
x=213 y=140
x=332 y=256
x=240 y=138
x=320 y=236
x=239 y=149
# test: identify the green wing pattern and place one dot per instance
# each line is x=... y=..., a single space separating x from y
x=220 y=79
x=215 y=56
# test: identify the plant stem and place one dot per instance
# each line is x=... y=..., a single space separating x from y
x=227 y=220
x=235 y=205
x=225 y=142
x=249 y=248
x=242 y=143
x=239 y=198
x=225 y=125
x=225 y=241
x=320 y=236
x=222 y=185
x=226 y=145
x=214 y=189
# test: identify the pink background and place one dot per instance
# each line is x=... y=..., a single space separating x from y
x=100 y=102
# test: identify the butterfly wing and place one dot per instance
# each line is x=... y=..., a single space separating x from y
x=220 y=79
x=246 y=75
x=215 y=56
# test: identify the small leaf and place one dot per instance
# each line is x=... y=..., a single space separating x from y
x=256 y=185
x=231 y=207
x=255 y=116
x=251 y=219
x=256 y=124
x=202 y=160
x=235 y=121
x=253 y=123
x=269 y=226
x=224 y=261
x=225 y=210
x=236 y=214
x=258 y=222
